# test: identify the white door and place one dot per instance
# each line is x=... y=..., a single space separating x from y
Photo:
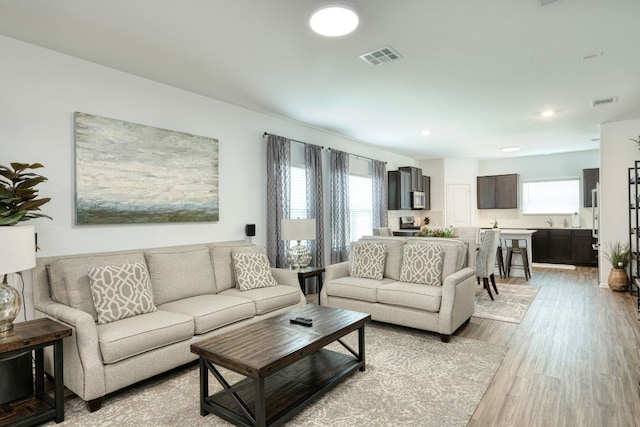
x=459 y=205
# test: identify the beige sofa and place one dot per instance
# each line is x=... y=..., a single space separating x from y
x=441 y=306
x=195 y=295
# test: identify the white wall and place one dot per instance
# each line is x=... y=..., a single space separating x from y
x=41 y=90
x=535 y=168
x=617 y=154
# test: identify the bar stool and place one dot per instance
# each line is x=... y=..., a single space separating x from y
x=500 y=260
x=518 y=247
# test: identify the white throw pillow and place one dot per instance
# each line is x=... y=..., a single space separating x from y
x=367 y=260
x=121 y=291
x=252 y=270
x=422 y=264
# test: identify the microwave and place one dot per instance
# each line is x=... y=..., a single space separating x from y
x=417 y=200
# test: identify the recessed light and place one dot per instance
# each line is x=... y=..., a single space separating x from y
x=548 y=113
x=425 y=132
x=510 y=149
x=334 y=21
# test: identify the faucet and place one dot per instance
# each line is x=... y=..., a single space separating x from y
x=549 y=222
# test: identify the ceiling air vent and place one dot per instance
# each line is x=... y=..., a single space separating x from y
x=544 y=3
x=381 y=56
x=602 y=101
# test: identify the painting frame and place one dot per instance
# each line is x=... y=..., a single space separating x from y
x=130 y=173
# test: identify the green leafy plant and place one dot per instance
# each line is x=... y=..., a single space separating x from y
x=618 y=254
x=437 y=232
x=18 y=197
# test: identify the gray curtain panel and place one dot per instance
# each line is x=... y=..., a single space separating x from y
x=315 y=206
x=339 y=206
x=379 y=184
x=278 y=195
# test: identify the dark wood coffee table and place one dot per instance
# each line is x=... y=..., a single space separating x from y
x=285 y=364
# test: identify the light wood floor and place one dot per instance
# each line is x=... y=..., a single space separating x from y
x=573 y=361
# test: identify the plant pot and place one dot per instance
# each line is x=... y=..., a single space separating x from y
x=618 y=279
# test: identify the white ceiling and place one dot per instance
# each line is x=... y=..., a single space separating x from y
x=477 y=73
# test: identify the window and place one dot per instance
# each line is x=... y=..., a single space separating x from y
x=360 y=198
x=551 y=197
x=298 y=196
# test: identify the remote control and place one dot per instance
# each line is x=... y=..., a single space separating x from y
x=304 y=321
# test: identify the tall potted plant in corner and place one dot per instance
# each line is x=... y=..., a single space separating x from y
x=618 y=255
x=18 y=202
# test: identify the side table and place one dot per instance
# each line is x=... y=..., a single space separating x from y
x=27 y=336
x=307 y=272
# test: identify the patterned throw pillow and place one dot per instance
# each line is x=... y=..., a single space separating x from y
x=422 y=264
x=367 y=260
x=121 y=291
x=252 y=270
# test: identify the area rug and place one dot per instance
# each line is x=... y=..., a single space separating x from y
x=510 y=305
x=411 y=379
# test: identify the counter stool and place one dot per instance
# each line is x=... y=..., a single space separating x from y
x=518 y=247
x=500 y=260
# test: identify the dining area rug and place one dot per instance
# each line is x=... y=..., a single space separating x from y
x=510 y=305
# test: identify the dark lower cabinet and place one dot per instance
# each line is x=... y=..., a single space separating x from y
x=560 y=246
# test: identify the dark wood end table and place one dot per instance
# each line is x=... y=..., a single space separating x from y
x=307 y=272
x=27 y=336
x=284 y=364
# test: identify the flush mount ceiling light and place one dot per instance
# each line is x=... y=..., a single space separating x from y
x=334 y=21
x=510 y=149
x=425 y=132
x=548 y=113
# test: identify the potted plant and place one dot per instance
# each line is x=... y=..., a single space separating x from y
x=18 y=197
x=437 y=232
x=619 y=255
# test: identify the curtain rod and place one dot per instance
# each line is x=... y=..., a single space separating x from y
x=328 y=149
x=294 y=140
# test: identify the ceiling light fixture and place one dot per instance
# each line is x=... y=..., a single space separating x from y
x=548 y=113
x=510 y=149
x=425 y=132
x=334 y=21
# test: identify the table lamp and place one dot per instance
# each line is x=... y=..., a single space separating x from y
x=298 y=229
x=17 y=253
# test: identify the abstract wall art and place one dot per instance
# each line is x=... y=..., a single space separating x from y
x=133 y=173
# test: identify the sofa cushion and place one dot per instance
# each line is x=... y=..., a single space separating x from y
x=393 y=260
x=211 y=312
x=180 y=274
x=411 y=295
x=69 y=279
x=356 y=288
x=252 y=271
x=268 y=299
x=138 y=334
x=223 y=264
x=455 y=252
x=367 y=260
x=121 y=291
x=422 y=264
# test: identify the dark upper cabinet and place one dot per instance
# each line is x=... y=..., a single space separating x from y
x=497 y=191
x=426 y=187
x=416 y=177
x=399 y=190
x=590 y=177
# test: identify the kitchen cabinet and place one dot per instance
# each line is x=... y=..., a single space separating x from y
x=416 y=177
x=497 y=191
x=399 y=190
x=564 y=246
x=590 y=177
x=426 y=187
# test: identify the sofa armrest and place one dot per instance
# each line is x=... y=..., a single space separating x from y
x=335 y=271
x=285 y=276
x=84 y=370
x=458 y=299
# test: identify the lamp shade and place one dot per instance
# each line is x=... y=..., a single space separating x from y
x=17 y=249
x=298 y=229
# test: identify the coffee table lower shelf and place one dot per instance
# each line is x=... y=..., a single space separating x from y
x=286 y=392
